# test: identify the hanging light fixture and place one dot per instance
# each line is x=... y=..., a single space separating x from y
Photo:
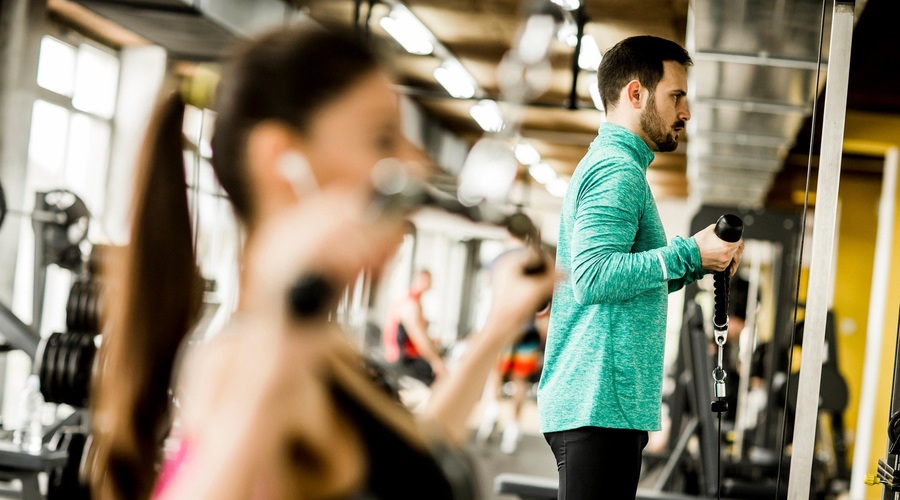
x=558 y=187
x=542 y=172
x=408 y=31
x=487 y=113
x=526 y=154
x=568 y=4
x=589 y=58
x=458 y=82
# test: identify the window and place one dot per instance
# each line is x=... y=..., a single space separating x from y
x=217 y=237
x=69 y=144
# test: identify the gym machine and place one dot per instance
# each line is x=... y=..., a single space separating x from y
x=64 y=361
x=888 y=473
x=709 y=381
x=803 y=465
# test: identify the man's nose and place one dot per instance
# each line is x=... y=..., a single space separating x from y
x=685 y=113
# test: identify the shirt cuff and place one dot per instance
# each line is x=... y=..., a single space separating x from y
x=682 y=258
x=662 y=262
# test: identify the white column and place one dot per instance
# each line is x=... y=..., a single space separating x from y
x=142 y=71
x=821 y=269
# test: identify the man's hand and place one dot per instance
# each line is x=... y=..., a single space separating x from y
x=716 y=253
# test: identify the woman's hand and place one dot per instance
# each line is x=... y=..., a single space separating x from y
x=516 y=295
x=332 y=234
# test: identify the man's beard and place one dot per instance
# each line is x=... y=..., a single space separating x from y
x=655 y=128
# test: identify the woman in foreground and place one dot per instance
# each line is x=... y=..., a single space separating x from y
x=278 y=406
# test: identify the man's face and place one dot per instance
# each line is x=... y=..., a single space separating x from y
x=667 y=109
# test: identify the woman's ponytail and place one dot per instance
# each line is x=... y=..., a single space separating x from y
x=154 y=301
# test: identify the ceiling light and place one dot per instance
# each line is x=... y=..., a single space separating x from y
x=568 y=31
x=594 y=89
x=534 y=42
x=455 y=79
x=408 y=31
x=526 y=154
x=589 y=58
x=558 y=187
x=488 y=172
x=487 y=113
x=568 y=4
x=542 y=173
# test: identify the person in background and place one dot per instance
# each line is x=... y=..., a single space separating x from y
x=600 y=391
x=277 y=406
x=518 y=365
x=405 y=334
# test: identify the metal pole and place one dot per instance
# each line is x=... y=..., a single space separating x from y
x=818 y=294
x=576 y=69
x=17 y=334
x=747 y=343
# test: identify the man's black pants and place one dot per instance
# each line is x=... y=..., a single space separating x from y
x=597 y=463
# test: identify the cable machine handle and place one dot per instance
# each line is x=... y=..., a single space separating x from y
x=728 y=228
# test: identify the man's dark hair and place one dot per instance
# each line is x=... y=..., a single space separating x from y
x=637 y=58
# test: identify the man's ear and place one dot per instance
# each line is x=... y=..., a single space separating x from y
x=634 y=93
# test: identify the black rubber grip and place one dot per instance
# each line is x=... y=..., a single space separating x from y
x=310 y=296
x=730 y=228
x=720 y=289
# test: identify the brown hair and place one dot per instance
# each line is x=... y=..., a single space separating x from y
x=638 y=58
x=284 y=76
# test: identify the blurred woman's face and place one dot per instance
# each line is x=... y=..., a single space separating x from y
x=348 y=136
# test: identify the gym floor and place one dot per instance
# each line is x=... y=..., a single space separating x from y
x=532 y=457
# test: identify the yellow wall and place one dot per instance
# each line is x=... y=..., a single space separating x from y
x=856 y=251
x=853 y=282
x=859 y=199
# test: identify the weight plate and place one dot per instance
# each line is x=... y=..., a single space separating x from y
x=72 y=373
x=59 y=370
x=94 y=310
x=85 y=367
x=70 y=305
x=100 y=307
x=83 y=320
x=40 y=365
x=64 y=481
x=48 y=365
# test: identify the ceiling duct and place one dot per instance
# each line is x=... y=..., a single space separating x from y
x=198 y=30
x=751 y=89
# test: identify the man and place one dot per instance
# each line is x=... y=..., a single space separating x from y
x=405 y=334
x=600 y=390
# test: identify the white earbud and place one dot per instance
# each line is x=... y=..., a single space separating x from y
x=296 y=170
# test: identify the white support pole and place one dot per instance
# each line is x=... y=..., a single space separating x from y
x=875 y=329
x=821 y=269
x=747 y=343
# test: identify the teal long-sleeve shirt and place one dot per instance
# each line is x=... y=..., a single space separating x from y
x=603 y=364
